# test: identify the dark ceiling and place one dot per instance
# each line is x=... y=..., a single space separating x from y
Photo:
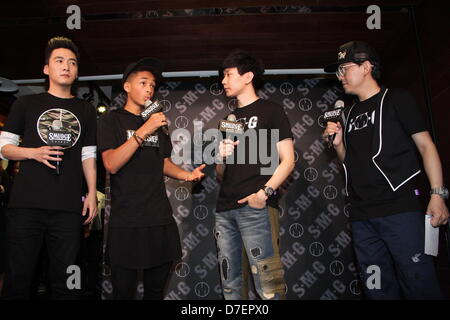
x=195 y=34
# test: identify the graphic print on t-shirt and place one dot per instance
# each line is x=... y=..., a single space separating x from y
x=151 y=141
x=59 y=127
x=361 y=121
x=252 y=122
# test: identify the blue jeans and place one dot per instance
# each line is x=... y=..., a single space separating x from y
x=395 y=245
x=256 y=231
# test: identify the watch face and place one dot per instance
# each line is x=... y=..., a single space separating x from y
x=268 y=191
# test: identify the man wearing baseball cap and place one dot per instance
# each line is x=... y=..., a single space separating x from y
x=378 y=146
x=142 y=232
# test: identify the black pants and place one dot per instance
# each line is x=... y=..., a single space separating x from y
x=124 y=282
x=26 y=229
x=394 y=245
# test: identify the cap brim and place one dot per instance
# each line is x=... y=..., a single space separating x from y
x=332 y=67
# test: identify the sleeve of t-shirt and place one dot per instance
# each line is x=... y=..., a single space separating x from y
x=409 y=114
x=106 y=138
x=165 y=145
x=280 y=121
x=90 y=138
x=15 y=123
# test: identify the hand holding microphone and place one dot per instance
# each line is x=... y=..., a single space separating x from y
x=153 y=111
x=334 y=120
x=232 y=128
x=58 y=136
x=153 y=123
x=226 y=147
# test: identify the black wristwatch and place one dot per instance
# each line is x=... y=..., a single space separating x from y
x=440 y=191
x=268 y=191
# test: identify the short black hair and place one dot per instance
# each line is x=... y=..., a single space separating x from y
x=60 y=42
x=244 y=62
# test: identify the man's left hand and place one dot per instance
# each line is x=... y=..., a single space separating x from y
x=196 y=174
x=438 y=209
x=256 y=200
x=90 y=205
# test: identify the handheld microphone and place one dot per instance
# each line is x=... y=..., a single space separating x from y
x=336 y=115
x=58 y=136
x=151 y=108
x=231 y=125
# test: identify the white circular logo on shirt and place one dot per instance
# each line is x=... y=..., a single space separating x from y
x=60 y=120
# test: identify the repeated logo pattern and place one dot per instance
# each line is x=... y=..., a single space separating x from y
x=316 y=248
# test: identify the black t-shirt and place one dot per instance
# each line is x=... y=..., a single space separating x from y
x=262 y=120
x=370 y=194
x=138 y=193
x=36 y=185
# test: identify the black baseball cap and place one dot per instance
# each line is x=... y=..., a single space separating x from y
x=153 y=65
x=354 y=51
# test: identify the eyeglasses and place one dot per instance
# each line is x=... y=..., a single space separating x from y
x=343 y=68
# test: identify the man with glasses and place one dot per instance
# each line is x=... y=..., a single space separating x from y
x=378 y=146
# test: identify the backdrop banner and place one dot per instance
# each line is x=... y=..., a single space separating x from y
x=316 y=248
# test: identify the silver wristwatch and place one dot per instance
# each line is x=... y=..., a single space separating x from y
x=268 y=191
x=441 y=191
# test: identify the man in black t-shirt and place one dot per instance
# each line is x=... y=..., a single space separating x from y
x=255 y=166
x=58 y=146
x=378 y=147
x=142 y=232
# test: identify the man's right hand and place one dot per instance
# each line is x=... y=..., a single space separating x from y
x=45 y=154
x=226 y=147
x=333 y=128
x=153 y=123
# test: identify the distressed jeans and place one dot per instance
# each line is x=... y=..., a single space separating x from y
x=256 y=231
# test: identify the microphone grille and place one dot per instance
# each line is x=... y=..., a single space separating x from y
x=147 y=103
x=231 y=117
x=339 y=104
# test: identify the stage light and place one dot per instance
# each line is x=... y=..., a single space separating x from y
x=101 y=108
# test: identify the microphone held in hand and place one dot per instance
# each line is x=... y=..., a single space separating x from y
x=231 y=125
x=336 y=116
x=58 y=136
x=152 y=107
